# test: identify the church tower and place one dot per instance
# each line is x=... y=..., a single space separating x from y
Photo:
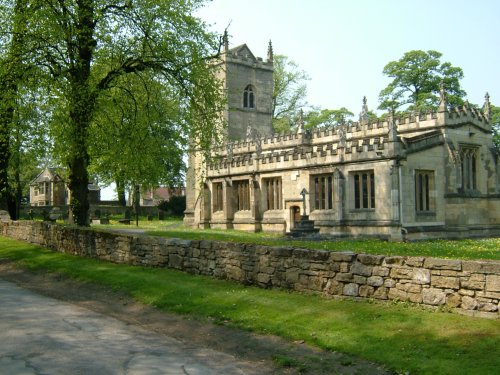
x=248 y=82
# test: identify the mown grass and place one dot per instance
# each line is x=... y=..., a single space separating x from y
x=403 y=337
x=485 y=248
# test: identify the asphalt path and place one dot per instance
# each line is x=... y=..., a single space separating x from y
x=41 y=335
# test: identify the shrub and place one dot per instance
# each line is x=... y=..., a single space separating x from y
x=176 y=205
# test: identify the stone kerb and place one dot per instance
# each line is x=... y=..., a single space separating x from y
x=468 y=286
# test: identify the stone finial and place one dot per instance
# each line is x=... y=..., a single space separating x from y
x=270 y=53
x=443 y=107
x=229 y=149
x=225 y=40
x=300 y=122
x=249 y=131
x=363 y=116
x=393 y=128
x=342 y=132
x=487 y=107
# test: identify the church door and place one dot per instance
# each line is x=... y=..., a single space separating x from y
x=295 y=215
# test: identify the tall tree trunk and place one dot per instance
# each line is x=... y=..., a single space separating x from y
x=82 y=105
x=120 y=190
x=17 y=191
x=18 y=195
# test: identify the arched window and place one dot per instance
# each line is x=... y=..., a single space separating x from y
x=248 y=97
x=468 y=156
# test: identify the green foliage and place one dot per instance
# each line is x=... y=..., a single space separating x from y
x=88 y=48
x=416 y=79
x=405 y=338
x=29 y=142
x=13 y=28
x=139 y=113
x=495 y=124
x=327 y=117
x=289 y=95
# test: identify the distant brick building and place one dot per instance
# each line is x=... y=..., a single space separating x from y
x=153 y=197
x=434 y=174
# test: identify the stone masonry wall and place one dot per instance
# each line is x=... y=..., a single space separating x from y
x=471 y=286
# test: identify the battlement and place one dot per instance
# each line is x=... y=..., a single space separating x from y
x=243 y=56
x=353 y=140
x=333 y=144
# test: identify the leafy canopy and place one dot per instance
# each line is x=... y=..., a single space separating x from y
x=139 y=113
x=289 y=95
x=88 y=47
x=416 y=79
x=495 y=124
x=327 y=117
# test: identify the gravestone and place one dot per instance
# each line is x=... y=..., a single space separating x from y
x=55 y=214
x=4 y=215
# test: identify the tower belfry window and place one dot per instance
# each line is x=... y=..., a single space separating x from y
x=248 y=97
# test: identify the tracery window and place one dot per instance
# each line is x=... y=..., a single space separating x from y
x=242 y=189
x=468 y=157
x=248 y=97
x=217 y=196
x=364 y=189
x=323 y=192
x=273 y=193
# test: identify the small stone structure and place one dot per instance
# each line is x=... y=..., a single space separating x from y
x=469 y=286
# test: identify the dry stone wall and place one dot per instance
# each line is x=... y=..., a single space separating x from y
x=470 y=286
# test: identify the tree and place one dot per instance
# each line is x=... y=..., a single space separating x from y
x=139 y=113
x=327 y=117
x=87 y=45
x=289 y=95
x=495 y=125
x=416 y=82
x=12 y=49
x=175 y=206
x=29 y=142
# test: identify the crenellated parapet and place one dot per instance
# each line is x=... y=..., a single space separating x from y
x=468 y=114
x=326 y=145
x=243 y=56
x=353 y=141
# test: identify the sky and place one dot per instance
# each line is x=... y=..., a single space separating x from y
x=343 y=45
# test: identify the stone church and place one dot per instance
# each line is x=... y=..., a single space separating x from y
x=426 y=175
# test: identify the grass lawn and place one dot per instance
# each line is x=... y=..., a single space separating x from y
x=403 y=337
x=487 y=248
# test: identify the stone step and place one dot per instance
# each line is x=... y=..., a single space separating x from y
x=304 y=227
